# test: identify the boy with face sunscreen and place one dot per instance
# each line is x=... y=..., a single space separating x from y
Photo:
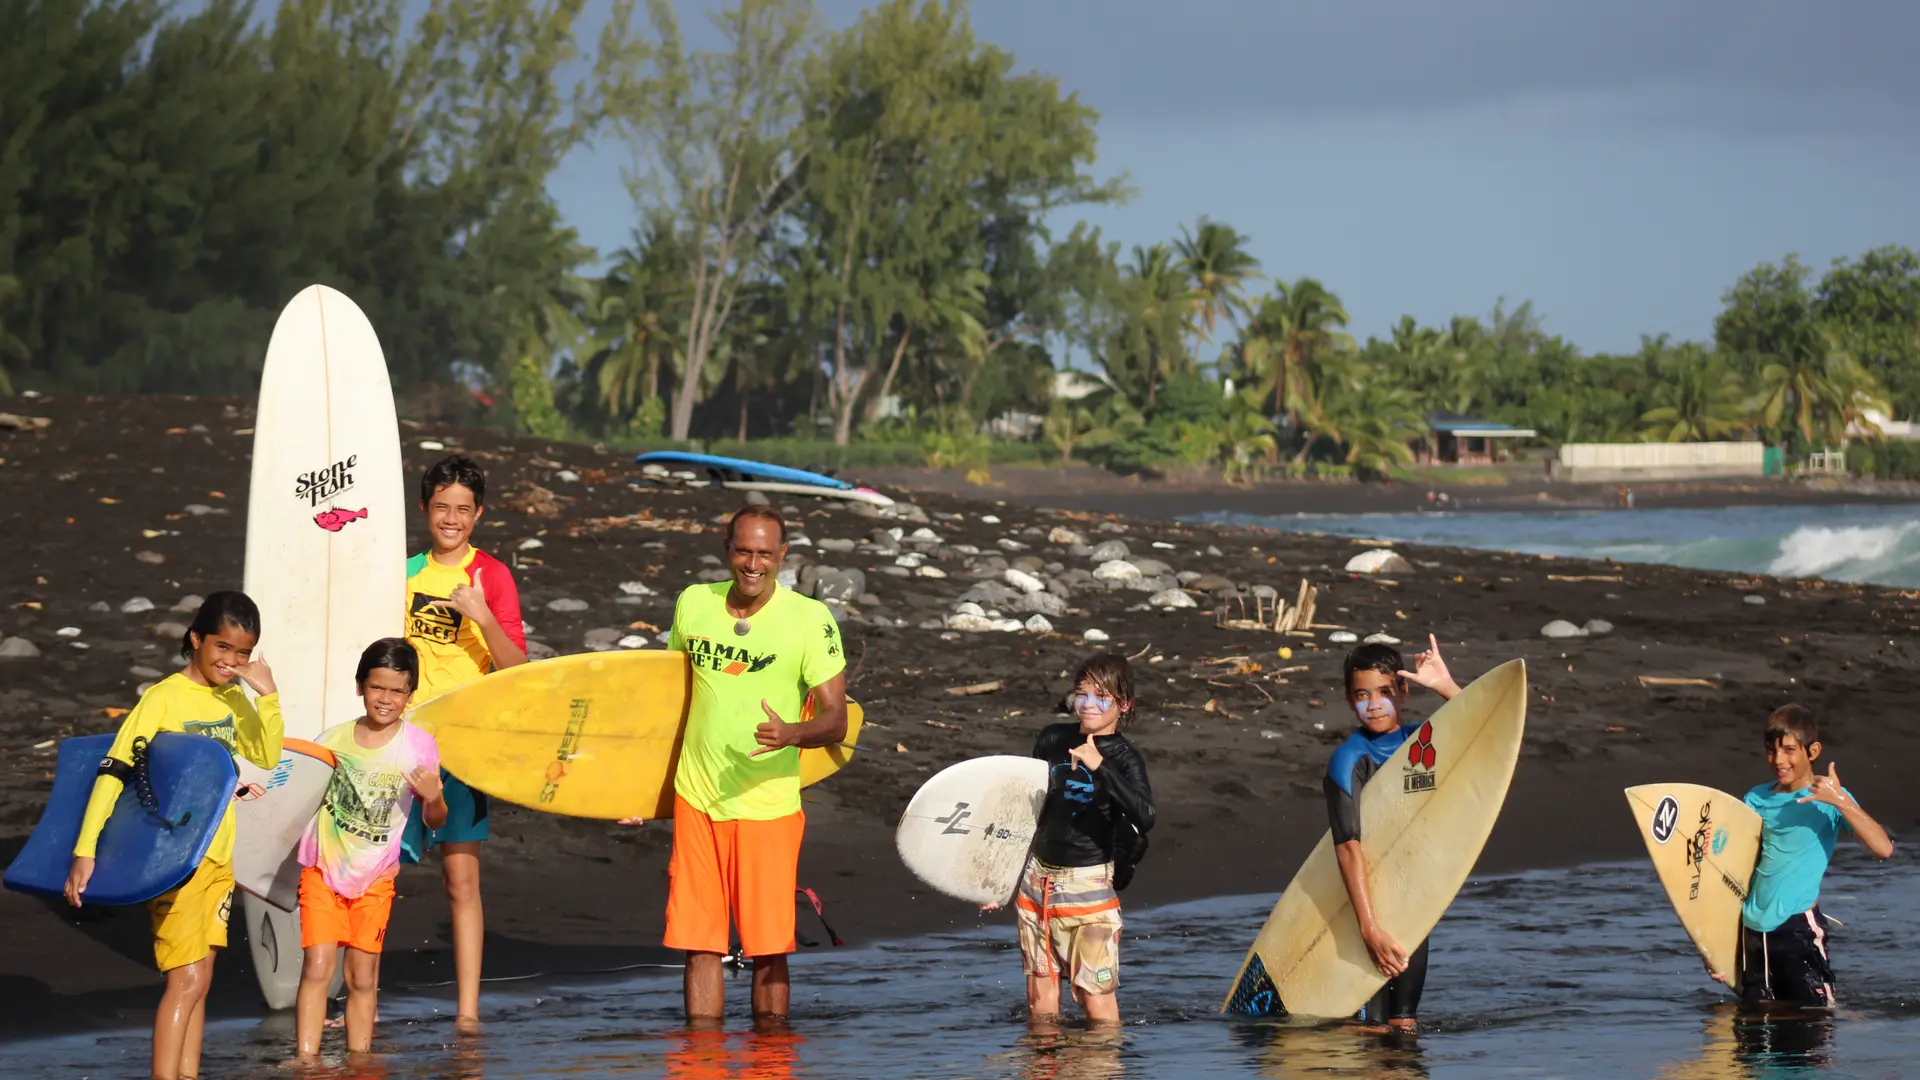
x=1377 y=691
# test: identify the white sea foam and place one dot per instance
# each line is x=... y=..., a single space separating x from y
x=1889 y=553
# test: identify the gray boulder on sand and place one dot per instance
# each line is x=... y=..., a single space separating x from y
x=603 y=639
x=18 y=648
x=830 y=583
x=1560 y=629
x=1172 y=598
x=1378 y=561
x=569 y=604
x=1042 y=603
x=1109 y=551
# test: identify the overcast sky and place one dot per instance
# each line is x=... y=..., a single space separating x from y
x=1617 y=162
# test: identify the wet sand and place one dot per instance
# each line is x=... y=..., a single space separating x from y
x=1235 y=758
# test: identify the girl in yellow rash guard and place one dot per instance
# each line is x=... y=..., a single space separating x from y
x=204 y=699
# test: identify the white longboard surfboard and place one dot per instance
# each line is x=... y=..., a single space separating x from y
x=273 y=811
x=1704 y=844
x=1422 y=825
x=969 y=827
x=326 y=545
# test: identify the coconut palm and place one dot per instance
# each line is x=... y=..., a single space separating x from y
x=1810 y=383
x=1700 y=398
x=1157 y=298
x=1299 y=321
x=1219 y=267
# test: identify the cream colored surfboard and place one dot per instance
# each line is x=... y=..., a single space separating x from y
x=1705 y=844
x=968 y=829
x=1423 y=823
x=593 y=735
x=326 y=547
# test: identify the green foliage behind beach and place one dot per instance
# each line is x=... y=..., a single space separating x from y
x=853 y=239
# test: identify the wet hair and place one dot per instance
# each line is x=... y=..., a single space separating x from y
x=763 y=513
x=1378 y=656
x=455 y=469
x=225 y=608
x=392 y=653
x=1795 y=720
x=1112 y=674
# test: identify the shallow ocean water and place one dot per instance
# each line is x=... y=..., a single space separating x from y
x=1566 y=973
x=1877 y=544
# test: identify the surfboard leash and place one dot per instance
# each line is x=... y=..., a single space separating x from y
x=143 y=786
x=819 y=909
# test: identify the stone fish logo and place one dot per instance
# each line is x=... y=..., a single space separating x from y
x=334 y=480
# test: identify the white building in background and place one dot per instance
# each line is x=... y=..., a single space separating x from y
x=1874 y=424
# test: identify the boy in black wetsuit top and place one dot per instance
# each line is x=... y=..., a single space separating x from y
x=1091 y=834
x=1377 y=689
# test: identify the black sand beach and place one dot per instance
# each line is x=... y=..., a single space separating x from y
x=96 y=510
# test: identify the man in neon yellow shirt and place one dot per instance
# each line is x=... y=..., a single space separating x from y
x=760 y=655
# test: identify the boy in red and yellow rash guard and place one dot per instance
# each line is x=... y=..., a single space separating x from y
x=463 y=619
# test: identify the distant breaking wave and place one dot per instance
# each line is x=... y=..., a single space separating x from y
x=1869 y=544
x=1886 y=554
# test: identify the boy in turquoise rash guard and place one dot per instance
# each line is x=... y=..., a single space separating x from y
x=1783 y=936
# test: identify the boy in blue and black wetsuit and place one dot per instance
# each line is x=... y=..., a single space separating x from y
x=1377 y=689
x=1783 y=936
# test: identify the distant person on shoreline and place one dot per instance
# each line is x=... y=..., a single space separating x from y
x=463 y=621
x=1377 y=690
x=760 y=654
x=1783 y=934
x=1091 y=835
x=204 y=698
x=350 y=853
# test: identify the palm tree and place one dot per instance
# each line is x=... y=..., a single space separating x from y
x=1700 y=398
x=1300 y=321
x=1159 y=298
x=1809 y=383
x=1217 y=263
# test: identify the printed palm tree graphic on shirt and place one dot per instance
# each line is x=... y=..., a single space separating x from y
x=362 y=800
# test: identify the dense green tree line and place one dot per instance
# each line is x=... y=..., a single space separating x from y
x=838 y=235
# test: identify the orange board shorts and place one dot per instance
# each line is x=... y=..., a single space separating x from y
x=739 y=872
x=327 y=918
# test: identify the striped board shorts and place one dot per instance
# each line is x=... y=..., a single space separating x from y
x=1070 y=921
x=1788 y=963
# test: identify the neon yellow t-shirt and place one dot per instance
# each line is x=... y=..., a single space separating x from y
x=794 y=646
x=177 y=703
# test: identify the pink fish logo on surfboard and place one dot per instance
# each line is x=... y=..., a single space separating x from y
x=335 y=520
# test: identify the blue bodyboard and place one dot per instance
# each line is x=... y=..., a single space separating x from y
x=726 y=468
x=139 y=855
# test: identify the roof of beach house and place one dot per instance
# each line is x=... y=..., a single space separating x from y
x=1473 y=428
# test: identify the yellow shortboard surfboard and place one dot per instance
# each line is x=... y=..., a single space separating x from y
x=593 y=735
x=1705 y=844
x=1424 y=817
